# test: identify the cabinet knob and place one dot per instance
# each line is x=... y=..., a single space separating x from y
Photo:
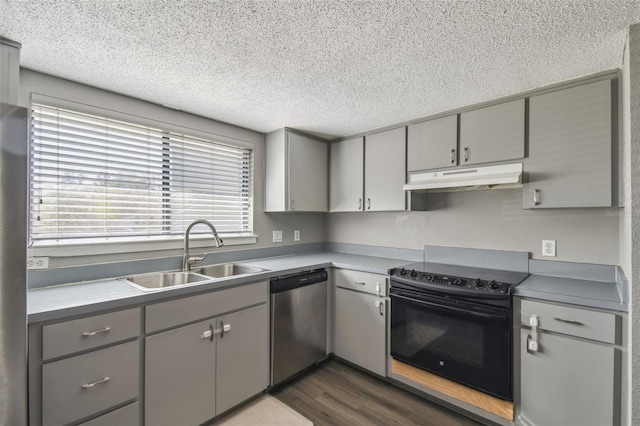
x=293 y=205
x=359 y=203
x=368 y=203
x=465 y=153
x=536 y=197
x=452 y=156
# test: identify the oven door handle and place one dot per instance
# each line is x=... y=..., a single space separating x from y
x=452 y=308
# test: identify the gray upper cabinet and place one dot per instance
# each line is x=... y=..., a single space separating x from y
x=432 y=144
x=571 y=148
x=493 y=133
x=295 y=172
x=347 y=175
x=385 y=170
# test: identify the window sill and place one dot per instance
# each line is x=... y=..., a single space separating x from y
x=69 y=249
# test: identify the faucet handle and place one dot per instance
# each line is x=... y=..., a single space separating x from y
x=196 y=259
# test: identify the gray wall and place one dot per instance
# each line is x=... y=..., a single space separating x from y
x=311 y=226
x=487 y=219
x=632 y=228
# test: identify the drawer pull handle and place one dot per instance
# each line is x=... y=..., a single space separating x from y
x=93 y=333
x=97 y=382
x=360 y=282
x=568 y=321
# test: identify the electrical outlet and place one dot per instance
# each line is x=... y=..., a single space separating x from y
x=38 y=263
x=296 y=235
x=549 y=248
x=277 y=236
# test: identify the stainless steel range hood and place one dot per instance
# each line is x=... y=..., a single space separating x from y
x=470 y=179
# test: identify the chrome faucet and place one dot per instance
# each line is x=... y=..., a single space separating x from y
x=187 y=260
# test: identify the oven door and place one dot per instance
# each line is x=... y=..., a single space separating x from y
x=460 y=340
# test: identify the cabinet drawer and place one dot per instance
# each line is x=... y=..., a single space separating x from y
x=188 y=309
x=361 y=281
x=79 y=386
x=577 y=322
x=86 y=333
x=129 y=415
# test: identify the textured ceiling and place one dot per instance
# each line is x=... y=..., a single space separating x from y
x=331 y=67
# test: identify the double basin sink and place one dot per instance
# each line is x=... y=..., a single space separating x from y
x=160 y=280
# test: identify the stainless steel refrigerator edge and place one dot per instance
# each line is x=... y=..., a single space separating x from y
x=13 y=242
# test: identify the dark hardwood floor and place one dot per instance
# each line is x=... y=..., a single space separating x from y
x=338 y=394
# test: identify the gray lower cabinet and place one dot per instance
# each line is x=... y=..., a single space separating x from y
x=180 y=376
x=242 y=358
x=571 y=379
x=359 y=329
x=82 y=385
x=198 y=371
x=128 y=415
x=572 y=148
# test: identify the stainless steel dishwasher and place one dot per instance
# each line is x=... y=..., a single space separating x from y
x=298 y=322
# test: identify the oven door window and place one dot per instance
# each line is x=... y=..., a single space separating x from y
x=470 y=348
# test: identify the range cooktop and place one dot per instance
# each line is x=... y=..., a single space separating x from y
x=458 y=278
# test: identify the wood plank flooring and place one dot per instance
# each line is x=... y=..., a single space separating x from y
x=338 y=394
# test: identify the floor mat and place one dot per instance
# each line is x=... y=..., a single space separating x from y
x=265 y=410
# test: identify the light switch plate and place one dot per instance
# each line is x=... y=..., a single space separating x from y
x=277 y=236
x=549 y=248
x=296 y=235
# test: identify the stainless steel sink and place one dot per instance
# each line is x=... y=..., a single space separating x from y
x=223 y=270
x=158 y=280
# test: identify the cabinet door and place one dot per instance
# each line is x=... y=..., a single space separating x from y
x=242 y=356
x=307 y=173
x=347 y=175
x=570 y=148
x=360 y=329
x=385 y=170
x=180 y=376
x=568 y=382
x=432 y=144
x=494 y=133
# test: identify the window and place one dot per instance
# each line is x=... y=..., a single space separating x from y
x=96 y=179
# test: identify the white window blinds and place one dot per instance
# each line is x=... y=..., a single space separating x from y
x=94 y=178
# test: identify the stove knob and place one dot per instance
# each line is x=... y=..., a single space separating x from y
x=493 y=285
x=478 y=283
x=413 y=273
x=403 y=271
x=429 y=277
